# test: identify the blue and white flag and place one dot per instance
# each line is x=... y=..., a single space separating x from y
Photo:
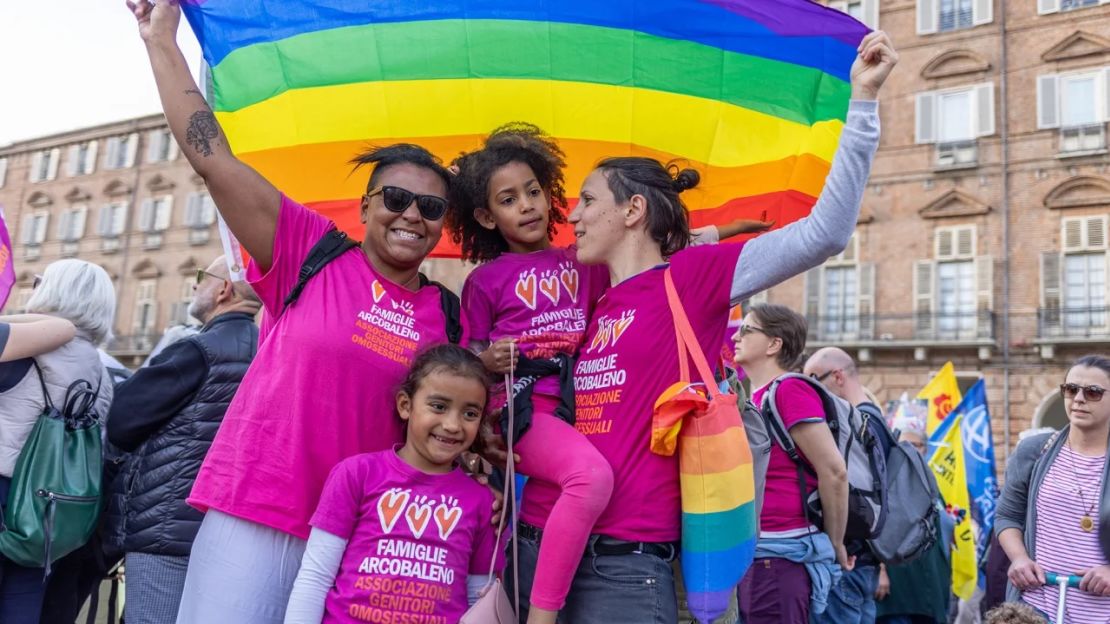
x=982 y=479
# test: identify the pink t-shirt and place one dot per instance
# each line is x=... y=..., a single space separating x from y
x=1070 y=490
x=543 y=298
x=322 y=385
x=412 y=538
x=782 y=498
x=628 y=358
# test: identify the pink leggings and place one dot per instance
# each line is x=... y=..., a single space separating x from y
x=556 y=453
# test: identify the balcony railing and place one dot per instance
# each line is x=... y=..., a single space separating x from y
x=1074 y=323
x=936 y=327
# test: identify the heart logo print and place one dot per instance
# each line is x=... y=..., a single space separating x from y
x=446 y=518
x=379 y=291
x=417 y=516
x=569 y=277
x=620 y=325
x=549 y=286
x=526 y=290
x=390 y=506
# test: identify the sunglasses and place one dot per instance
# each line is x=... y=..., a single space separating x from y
x=1090 y=393
x=746 y=330
x=201 y=274
x=823 y=376
x=36 y=282
x=397 y=199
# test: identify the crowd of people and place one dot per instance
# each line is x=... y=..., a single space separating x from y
x=326 y=464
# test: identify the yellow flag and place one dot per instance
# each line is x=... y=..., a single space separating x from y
x=943 y=394
x=947 y=464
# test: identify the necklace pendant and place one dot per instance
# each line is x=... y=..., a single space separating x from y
x=1087 y=524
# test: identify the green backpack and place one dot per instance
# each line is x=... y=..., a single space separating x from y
x=54 y=500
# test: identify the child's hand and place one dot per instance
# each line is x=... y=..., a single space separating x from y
x=748 y=226
x=501 y=356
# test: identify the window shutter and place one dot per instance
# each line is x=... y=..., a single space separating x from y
x=79 y=217
x=1048 y=6
x=866 y=305
x=925 y=109
x=984 y=286
x=945 y=244
x=119 y=218
x=40 y=231
x=171 y=153
x=1050 y=289
x=814 y=278
x=927 y=17
x=55 y=157
x=871 y=13
x=36 y=167
x=193 y=210
x=982 y=12
x=27 y=229
x=146 y=215
x=1096 y=233
x=104 y=224
x=64 y=221
x=923 y=295
x=111 y=160
x=984 y=103
x=965 y=242
x=90 y=157
x=162 y=218
x=1072 y=234
x=132 y=149
x=209 y=212
x=153 y=145
x=3 y=171
x=73 y=160
x=1048 y=101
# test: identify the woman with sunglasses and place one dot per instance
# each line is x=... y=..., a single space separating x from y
x=1054 y=513
x=321 y=386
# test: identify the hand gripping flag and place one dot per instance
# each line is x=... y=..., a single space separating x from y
x=751 y=93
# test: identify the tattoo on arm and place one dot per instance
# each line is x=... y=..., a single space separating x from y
x=201 y=131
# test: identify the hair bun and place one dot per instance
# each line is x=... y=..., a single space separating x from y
x=685 y=180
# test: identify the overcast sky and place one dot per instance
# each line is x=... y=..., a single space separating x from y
x=67 y=64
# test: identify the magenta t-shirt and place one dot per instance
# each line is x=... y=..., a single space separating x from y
x=412 y=539
x=542 y=298
x=628 y=358
x=782 y=498
x=322 y=385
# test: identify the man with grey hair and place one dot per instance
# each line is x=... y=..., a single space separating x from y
x=166 y=415
x=852 y=599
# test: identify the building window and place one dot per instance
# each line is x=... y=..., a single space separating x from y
x=161 y=146
x=935 y=16
x=953 y=292
x=3 y=171
x=44 y=165
x=121 y=151
x=71 y=228
x=840 y=297
x=180 y=313
x=1076 y=104
x=154 y=220
x=1055 y=6
x=200 y=214
x=113 y=218
x=82 y=158
x=1074 y=293
x=146 y=308
x=866 y=11
x=34 y=228
x=953 y=120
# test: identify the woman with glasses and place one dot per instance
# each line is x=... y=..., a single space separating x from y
x=1054 y=513
x=321 y=387
x=52 y=346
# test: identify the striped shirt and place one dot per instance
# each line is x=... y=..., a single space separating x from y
x=1060 y=545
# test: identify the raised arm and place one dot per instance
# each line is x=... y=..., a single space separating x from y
x=247 y=201
x=776 y=256
x=29 y=335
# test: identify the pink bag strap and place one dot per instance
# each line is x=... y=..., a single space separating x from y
x=688 y=347
x=508 y=494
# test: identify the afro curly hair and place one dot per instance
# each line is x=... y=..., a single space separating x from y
x=513 y=142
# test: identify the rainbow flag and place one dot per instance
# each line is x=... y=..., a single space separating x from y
x=752 y=93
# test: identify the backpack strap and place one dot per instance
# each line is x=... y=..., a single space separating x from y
x=451 y=306
x=42 y=382
x=330 y=246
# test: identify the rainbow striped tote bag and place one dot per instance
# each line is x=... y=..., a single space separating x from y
x=703 y=425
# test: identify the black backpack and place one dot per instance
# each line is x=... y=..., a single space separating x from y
x=336 y=243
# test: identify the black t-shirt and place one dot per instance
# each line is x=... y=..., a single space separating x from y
x=11 y=373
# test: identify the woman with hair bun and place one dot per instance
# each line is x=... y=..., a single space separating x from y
x=630 y=217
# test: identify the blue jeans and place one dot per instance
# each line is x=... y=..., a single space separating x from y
x=607 y=589
x=21 y=589
x=852 y=600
